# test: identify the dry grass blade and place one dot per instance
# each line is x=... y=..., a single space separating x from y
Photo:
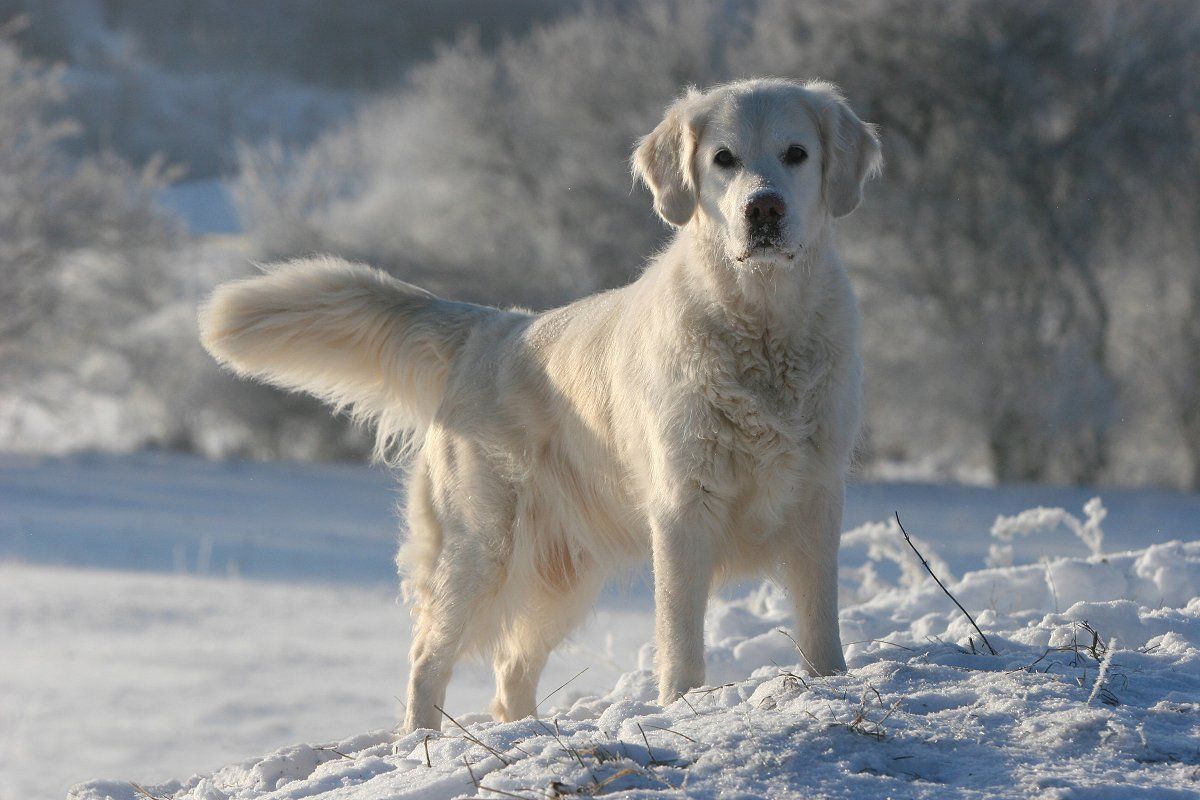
x=501 y=791
x=618 y=775
x=932 y=574
x=142 y=791
x=557 y=736
x=677 y=733
x=708 y=689
x=560 y=688
x=891 y=710
x=470 y=737
x=655 y=762
x=649 y=752
x=799 y=650
x=335 y=751
x=864 y=725
x=881 y=641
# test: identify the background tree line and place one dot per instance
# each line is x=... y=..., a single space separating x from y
x=1029 y=265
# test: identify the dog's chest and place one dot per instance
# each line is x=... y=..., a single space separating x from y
x=763 y=396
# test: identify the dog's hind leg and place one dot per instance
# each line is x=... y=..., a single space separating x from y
x=545 y=617
x=453 y=577
x=448 y=618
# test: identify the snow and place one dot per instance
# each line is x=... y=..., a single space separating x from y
x=109 y=673
x=1060 y=712
x=244 y=607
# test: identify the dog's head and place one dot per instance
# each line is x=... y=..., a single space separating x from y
x=759 y=165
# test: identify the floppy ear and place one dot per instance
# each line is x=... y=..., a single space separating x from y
x=663 y=161
x=852 y=153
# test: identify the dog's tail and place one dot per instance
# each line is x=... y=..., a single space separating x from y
x=351 y=335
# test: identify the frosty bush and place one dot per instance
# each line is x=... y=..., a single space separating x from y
x=51 y=206
x=885 y=546
x=82 y=248
x=1043 y=520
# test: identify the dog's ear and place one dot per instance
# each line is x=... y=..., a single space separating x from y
x=663 y=161
x=851 y=146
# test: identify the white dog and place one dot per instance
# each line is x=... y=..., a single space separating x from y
x=703 y=416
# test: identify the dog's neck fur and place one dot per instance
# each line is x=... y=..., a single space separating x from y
x=757 y=298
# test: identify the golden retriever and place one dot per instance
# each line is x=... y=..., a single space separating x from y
x=702 y=416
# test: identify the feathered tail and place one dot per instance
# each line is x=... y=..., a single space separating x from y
x=349 y=334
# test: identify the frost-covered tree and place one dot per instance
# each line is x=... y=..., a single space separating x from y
x=51 y=205
x=1018 y=136
x=186 y=79
x=82 y=252
x=1162 y=356
x=497 y=175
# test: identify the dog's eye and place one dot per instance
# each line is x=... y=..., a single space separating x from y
x=795 y=155
x=724 y=158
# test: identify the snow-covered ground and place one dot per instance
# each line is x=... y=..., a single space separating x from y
x=241 y=608
x=152 y=675
x=1100 y=700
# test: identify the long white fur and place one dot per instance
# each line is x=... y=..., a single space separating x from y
x=702 y=416
x=351 y=335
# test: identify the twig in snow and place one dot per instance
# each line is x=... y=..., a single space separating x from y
x=617 y=775
x=558 y=738
x=929 y=569
x=1030 y=667
x=1097 y=647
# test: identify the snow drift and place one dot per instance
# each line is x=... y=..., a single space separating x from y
x=1095 y=692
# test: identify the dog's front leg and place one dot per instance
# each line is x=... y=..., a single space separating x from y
x=683 y=565
x=810 y=571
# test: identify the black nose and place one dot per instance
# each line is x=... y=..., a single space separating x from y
x=764 y=207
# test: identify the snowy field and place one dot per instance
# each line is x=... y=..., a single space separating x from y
x=162 y=615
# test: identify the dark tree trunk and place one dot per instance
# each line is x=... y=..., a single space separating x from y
x=1018 y=448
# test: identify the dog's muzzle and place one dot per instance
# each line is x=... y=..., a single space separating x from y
x=764 y=213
